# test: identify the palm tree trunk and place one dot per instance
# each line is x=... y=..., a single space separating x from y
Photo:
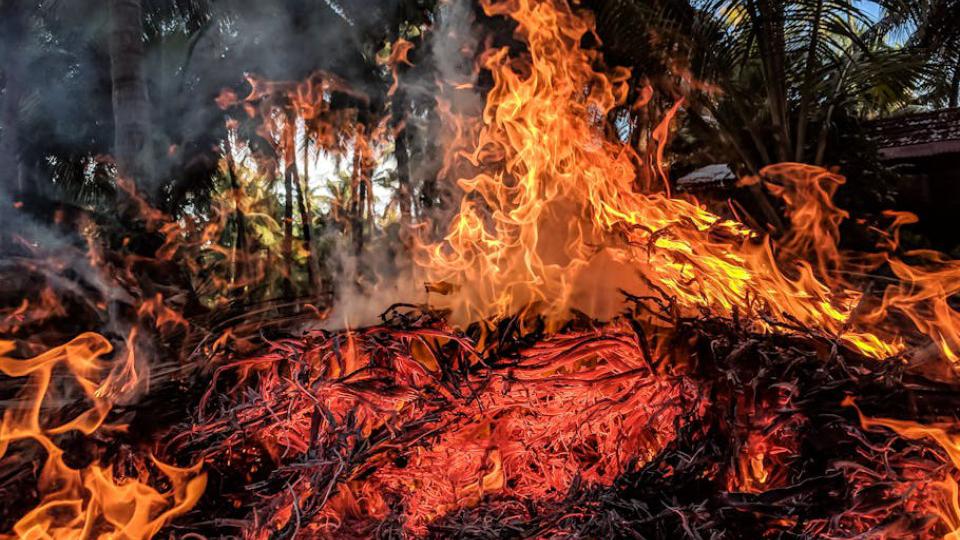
x=399 y=108
x=238 y=274
x=403 y=176
x=312 y=269
x=13 y=30
x=9 y=147
x=131 y=108
x=288 y=232
x=828 y=117
x=768 y=24
x=355 y=206
x=824 y=135
x=361 y=210
x=317 y=281
x=807 y=89
x=955 y=84
x=358 y=191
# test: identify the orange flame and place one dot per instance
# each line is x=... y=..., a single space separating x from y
x=399 y=50
x=944 y=501
x=88 y=502
x=551 y=217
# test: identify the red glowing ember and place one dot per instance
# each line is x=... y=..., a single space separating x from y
x=595 y=356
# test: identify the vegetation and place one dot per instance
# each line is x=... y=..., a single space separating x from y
x=762 y=81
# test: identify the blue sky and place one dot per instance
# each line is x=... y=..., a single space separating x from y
x=872 y=11
x=870 y=8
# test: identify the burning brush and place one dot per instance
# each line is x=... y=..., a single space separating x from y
x=597 y=358
x=595 y=430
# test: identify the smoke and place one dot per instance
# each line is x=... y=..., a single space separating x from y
x=455 y=46
x=274 y=40
x=190 y=59
x=443 y=82
x=368 y=285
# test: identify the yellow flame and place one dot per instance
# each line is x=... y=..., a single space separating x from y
x=89 y=502
x=554 y=216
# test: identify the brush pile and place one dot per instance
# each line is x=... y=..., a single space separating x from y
x=701 y=429
x=654 y=424
x=749 y=386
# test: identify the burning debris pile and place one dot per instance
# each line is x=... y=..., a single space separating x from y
x=596 y=430
x=398 y=425
x=596 y=358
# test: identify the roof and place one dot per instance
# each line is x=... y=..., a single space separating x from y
x=917 y=135
x=711 y=175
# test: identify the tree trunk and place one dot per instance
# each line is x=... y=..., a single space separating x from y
x=361 y=206
x=131 y=108
x=288 y=232
x=398 y=108
x=354 y=193
x=238 y=273
x=955 y=84
x=828 y=117
x=768 y=24
x=318 y=280
x=403 y=176
x=13 y=32
x=358 y=192
x=312 y=269
x=805 y=96
x=824 y=135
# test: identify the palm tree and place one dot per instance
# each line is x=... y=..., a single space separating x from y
x=765 y=78
x=13 y=29
x=63 y=127
x=131 y=106
x=933 y=26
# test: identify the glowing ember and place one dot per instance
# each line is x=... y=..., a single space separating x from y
x=597 y=354
x=573 y=408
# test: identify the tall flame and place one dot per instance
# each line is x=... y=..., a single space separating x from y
x=553 y=213
x=553 y=218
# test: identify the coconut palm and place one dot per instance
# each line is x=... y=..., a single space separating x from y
x=767 y=79
x=933 y=26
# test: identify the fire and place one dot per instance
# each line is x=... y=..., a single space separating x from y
x=943 y=499
x=576 y=408
x=553 y=213
x=90 y=501
x=425 y=419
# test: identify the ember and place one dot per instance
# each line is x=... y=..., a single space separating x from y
x=584 y=353
x=409 y=421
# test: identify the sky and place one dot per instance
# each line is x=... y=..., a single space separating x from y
x=870 y=8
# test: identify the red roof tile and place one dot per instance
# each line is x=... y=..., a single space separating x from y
x=919 y=134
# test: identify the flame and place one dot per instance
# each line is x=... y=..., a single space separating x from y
x=554 y=216
x=399 y=50
x=768 y=446
x=575 y=408
x=91 y=501
x=47 y=306
x=944 y=499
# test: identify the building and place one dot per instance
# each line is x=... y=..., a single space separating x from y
x=925 y=149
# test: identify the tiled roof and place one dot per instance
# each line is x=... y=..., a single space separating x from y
x=711 y=175
x=917 y=135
